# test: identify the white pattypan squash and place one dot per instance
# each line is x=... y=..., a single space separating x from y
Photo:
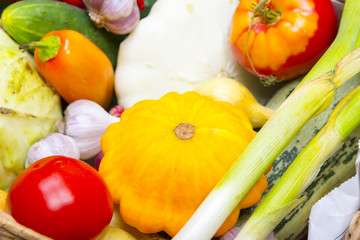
x=180 y=44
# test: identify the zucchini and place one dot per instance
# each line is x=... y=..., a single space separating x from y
x=337 y=169
x=28 y=21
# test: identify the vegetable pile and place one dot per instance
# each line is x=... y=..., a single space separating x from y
x=161 y=119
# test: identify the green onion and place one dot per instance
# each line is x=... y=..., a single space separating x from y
x=283 y=196
x=311 y=97
x=347 y=39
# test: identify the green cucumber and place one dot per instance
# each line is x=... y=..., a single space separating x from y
x=337 y=169
x=28 y=21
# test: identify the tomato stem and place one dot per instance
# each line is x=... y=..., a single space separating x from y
x=48 y=47
x=264 y=11
x=269 y=16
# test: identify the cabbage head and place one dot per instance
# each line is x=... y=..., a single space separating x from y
x=29 y=108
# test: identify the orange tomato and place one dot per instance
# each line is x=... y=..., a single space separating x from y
x=80 y=70
x=287 y=46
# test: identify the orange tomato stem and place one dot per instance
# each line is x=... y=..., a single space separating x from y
x=48 y=47
x=264 y=11
x=269 y=16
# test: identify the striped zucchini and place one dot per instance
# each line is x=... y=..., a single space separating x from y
x=338 y=168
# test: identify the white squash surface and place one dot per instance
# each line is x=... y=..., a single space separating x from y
x=179 y=45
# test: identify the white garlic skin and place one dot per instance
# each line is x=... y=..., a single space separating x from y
x=86 y=122
x=53 y=145
x=116 y=16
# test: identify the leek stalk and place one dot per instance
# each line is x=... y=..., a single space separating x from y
x=304 y=103
x=309 y=99
x=280 y=199
x=346 y=41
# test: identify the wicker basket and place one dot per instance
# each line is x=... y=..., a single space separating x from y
x=10 y=229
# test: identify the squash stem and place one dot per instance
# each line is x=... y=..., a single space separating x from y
x=342 y=121
x=184 y=131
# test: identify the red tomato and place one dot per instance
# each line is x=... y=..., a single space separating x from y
x=62 y=198
x=289 y=46
x=77 y=3
x=141 y=4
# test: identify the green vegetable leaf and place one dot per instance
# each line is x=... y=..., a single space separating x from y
x=48 y=48
x=29 y=108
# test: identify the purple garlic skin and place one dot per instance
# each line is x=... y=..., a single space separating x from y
x=53 y=145
x=86 y=122
x=116 y=16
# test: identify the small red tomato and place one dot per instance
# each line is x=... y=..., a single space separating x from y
x=77 y=3
x=141 y=4
x=62 y=198
x=285 y=39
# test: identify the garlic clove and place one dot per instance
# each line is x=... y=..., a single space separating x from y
x=230 y=90
x=112 y=14
x=86 y=122
x=115 y=9
x=117 y=110
x=53 y=144
x=124 y=25
x=98 y=159
x=94 y=5
x=110 y=9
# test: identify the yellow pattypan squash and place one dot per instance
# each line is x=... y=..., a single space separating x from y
x=164 y=157
x=3 y=196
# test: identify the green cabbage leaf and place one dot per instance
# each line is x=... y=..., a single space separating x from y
x=29 y=108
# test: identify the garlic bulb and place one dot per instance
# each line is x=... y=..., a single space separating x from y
x=117 y=110
x=229 y=90
x=97 y=160
x=232 y=233
x=353 y=231
x=117 y=16
x=86 y=121
x=53 y=144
